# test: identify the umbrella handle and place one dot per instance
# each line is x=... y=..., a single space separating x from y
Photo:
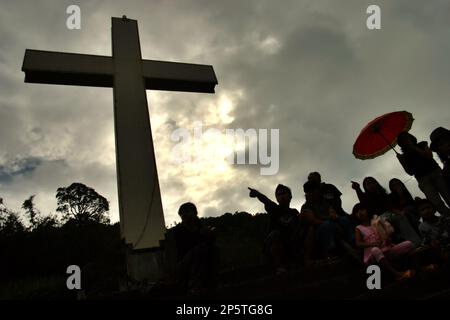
x=386 y=140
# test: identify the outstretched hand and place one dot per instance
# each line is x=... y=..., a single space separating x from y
x=253 y=193
x=355 y=185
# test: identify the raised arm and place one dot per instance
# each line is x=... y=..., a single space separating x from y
x=359 y=192
x=256 y=194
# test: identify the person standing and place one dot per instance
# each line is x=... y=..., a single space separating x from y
x=440 y=143
x=417 y=160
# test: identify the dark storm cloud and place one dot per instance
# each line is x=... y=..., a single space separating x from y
x=308 y=68
x=18 y=167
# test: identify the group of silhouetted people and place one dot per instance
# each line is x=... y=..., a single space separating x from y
x=382 y=228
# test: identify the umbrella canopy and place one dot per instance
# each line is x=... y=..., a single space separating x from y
x=380 y=135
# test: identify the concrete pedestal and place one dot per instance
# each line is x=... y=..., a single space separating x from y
x=145 y=265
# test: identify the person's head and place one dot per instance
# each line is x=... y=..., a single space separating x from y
x=361 y=213
x=315 y=177
x=372 y=186
x=187 y=212
x=283 y=195
x=312 y=191
x=425 y=209
x=397 y=186
x=440 y=142
x=399 y=191
x=405 y=139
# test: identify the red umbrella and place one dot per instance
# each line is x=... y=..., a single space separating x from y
x=380 y=134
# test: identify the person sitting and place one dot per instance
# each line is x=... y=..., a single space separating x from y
x=281 y=242
x=435 y=230
x=329 y=192
x=401 y=200
x=197 y=255
x=374 y=196
x=417 y=160
x=373 y=235
x=402 y=213
x=440 y=143
x=322 y=224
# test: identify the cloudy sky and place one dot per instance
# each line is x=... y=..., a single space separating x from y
x=311 y=69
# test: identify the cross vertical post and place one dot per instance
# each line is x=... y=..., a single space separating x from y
x=135 y=157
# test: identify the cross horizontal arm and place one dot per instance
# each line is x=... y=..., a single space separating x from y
x=68 y=68
x=175 y=76
x=98 y=71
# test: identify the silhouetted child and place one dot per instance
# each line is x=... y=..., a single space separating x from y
x=284 y=222
x=373 y=235
x=197 y=255
x=435 y=230
x=417 y=160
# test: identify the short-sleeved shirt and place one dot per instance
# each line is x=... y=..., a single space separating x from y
x=282 y=219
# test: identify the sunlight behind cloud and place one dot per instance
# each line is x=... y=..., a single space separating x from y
x=270 y=45
x=220 y=112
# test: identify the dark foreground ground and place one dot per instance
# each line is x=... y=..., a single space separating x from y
x=34 y=266
x=338 y=279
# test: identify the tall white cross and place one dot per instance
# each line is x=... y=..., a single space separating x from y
x=141 y=214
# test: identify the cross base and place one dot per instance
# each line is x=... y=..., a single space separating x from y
x=145 y=265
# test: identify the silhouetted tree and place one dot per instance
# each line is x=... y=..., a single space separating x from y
x=37 y=221
x=10 y=223
x=46 y=222
x=3 y=212
x=82 y=204
x=31 y=211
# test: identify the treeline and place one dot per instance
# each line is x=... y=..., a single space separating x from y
x=34 y=246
